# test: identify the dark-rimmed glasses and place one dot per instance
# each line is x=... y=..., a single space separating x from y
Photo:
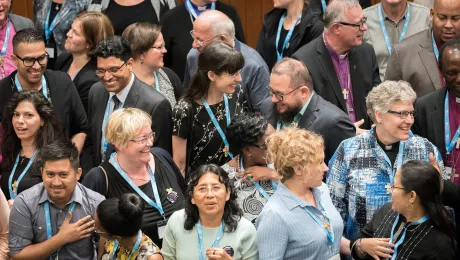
x=30 y=61
x=112 y=70
x=403 y=114
x=280 y=96
x=358 y=25
x=144 y=141
x=201 y=43
x=261 y=146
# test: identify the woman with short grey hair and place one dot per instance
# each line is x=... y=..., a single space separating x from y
x=362 y=170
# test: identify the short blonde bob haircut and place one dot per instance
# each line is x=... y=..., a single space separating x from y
x=294 y=148
x=383 y=96
x=124 y=124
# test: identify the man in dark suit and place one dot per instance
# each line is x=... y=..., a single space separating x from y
x=343 y=68
x=293 y=101
x=431 y=116
x=119 y=87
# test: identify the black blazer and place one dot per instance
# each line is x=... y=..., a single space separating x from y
x=321 y=117
x=140 y=96
x=85 y=78
x=363 y=68
x=429 y=122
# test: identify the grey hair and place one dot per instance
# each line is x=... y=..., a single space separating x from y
x=296 y=70
x=386 y=94
x=225 y=27
x=335 y=9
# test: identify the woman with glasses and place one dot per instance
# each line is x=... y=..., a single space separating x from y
x=148 y=49
x=253 y=178
x=363 y=168
x=119 y=221
x=414 y=225
x=212 y=225
x=29 y=123
x=213 y=98
x=137 y=168
x=88 y=29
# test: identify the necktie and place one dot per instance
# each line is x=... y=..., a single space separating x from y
x=116 y=102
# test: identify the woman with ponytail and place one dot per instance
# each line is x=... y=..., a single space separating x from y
x=415 y=225
x=119 y=220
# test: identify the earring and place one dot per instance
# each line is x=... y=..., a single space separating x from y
x=142 y=61
x=409 y=206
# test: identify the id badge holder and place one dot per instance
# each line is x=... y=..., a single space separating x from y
x=50 y=49
x=161 y=226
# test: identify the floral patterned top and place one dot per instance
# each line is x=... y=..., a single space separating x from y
x=145 y=250
x=207 y=145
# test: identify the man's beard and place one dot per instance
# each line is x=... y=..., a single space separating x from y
x=289 y=114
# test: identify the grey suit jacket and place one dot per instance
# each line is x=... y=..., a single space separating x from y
x=140 y=96
x=20 y=22
x=413 y=60
x=321 y=117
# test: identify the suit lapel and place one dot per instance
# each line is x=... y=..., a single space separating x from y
x=325 y=61
x=429 y=62
x=356 y=84
x=133 y=94
x=99 y=114
x=310 y=113
x=437 y=118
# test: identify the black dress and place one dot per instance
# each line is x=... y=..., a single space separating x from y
x=32 y=177
x=167 y=177
x=204 y=143
x=123 y=16
x=424 y=241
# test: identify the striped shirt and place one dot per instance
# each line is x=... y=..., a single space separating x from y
x=286 y=231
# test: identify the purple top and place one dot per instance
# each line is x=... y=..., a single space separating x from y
x=452 y=159
x=9 y=66
x=342 y=69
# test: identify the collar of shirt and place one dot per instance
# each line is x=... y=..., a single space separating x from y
x=386 y=17
x=123 y=94
x=76 y=196
x=199 y=9
x=334 y=55
x=292 y=201
x=302 y=111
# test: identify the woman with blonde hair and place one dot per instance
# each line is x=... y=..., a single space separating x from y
x=88 y=29
x=137 y=168
x=299 y=221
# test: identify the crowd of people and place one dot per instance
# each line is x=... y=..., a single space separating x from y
x=149 y=130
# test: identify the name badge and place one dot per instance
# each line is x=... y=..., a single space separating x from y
x=161 y=225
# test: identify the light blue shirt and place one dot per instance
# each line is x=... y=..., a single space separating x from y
x=286 y=231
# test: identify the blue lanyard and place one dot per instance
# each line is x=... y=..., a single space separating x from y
x=157 y=84
x=192 y=10
x=384 y=29
x=5 y=41
x=216 y=123
x=153 y=182
x=219 y=235
x=449 y=143
x=325 y=224
x=323 y=4
x=288 y=36
x=49 y=28
x=105 y=144
x=435 y=47
x=131 y=253
x=49 y=230
x=278 y=125
x=44 y=86
x=256 y=183
x=13 y=193
x=401 y=240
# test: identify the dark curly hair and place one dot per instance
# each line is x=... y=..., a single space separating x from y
x=217 y=57
x=245 y=130
x=232 y=212
x=114 y=46
x=48 y=132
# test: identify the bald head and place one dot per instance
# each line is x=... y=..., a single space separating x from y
x=296 y=70
x=449 y=62
x=445 y=17
x=213 y=25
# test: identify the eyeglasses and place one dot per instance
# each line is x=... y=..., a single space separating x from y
x=144 y=141
x=159 y=48
x=260 y=146
x=201 y=43
x=392 y=187
x=280 y=96
x=97 y=232
x=30 y=61
x=203 y=190
x=112 y=70
x=235 y=75
x=403 y=114
x=359 y=25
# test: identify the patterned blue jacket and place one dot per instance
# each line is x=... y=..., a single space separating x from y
x=360 y=174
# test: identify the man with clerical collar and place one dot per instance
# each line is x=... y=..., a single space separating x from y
x=441 y=108
x=9 y=25
x=415 y=59
x=53 y=219
x=30 y=58
x=294 y=102
x=390 y=22
x=216 y=26
x=119 y=87
x=343 y=68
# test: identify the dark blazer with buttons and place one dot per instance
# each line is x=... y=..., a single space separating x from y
x=320 y=117
x=364 y=73
x=139 y=96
